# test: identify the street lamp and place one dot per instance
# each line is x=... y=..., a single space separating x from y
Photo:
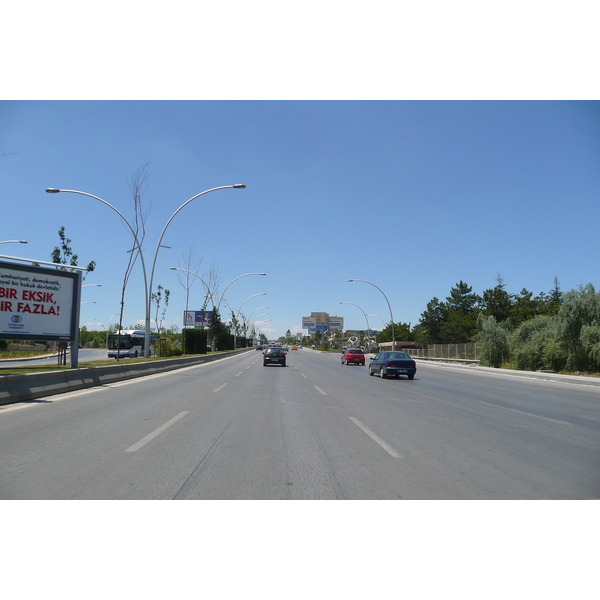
x=223 y=294
x=238 y=316
x=388 y=303
x=13 y=242
x=147 y=285
x=384 y=323
x=363 y=312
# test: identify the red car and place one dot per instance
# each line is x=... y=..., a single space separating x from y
x=353 y=356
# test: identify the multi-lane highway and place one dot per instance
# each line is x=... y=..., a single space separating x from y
x=233 y=429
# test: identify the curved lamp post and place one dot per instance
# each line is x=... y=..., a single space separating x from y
x=147 y=285
x=384 y=323
x=13 y=242
x=388 y=303
x=232 y=281
x=238 y=316
x=363 y=312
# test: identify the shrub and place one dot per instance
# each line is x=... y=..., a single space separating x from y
x=536 y=344
x=492 y=341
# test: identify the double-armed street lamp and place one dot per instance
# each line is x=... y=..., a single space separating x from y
x=147 y=284
x=388 y=303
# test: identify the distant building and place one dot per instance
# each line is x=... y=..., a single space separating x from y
x=321 y=321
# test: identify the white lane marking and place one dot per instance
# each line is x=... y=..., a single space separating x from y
x=156 y=432
x=503 y=407
x=221 y=387
x=239 y=373
x=320 y=390
x=375 y=437
x=303 y=375
x=526 y=413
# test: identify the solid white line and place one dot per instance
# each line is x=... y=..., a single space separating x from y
x=156 y=432
x=375 y=437
x=221 y=387
x=526 y=413
x=320 y=390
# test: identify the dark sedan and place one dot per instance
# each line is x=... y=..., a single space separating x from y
x=393 y=363
x=274 y=356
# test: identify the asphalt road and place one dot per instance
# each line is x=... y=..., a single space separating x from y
x=233 y=429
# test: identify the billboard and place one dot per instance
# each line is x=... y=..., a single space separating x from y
x=37 y=303
x=194 y=318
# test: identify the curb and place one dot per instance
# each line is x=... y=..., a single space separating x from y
x=545 y=375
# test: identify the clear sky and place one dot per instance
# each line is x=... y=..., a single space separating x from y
x=412 y=196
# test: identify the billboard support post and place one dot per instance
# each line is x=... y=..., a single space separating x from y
x=77 y=308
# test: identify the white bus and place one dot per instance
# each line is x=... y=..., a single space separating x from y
x=128 y=343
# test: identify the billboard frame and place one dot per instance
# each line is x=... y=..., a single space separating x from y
x=56 y=273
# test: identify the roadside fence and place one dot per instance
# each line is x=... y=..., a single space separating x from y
x=457 y=352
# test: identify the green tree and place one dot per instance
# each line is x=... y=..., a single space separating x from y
x=157 y=299
x=460 y=314
x=536 y=344
x=524 y=307
x=579 y=327
x=63 y=254
x=497 y=302
x=430 y=324
x=492 y=341
x=401 y=333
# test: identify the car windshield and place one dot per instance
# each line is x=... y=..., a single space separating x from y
x=398 y=355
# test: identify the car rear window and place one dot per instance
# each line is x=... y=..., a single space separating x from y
x=355 y=351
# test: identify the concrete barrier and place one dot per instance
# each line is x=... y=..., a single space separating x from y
x=29 y=386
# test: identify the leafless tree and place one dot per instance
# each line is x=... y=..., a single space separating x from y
x=137 y=186
x=191 y=263
x=213 y=280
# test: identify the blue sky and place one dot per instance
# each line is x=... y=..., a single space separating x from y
x=412 y=196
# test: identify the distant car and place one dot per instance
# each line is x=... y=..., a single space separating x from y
x=353 y=356
x=393 y=363
x=259 y=347
x=274 y=356
x=294 y=347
